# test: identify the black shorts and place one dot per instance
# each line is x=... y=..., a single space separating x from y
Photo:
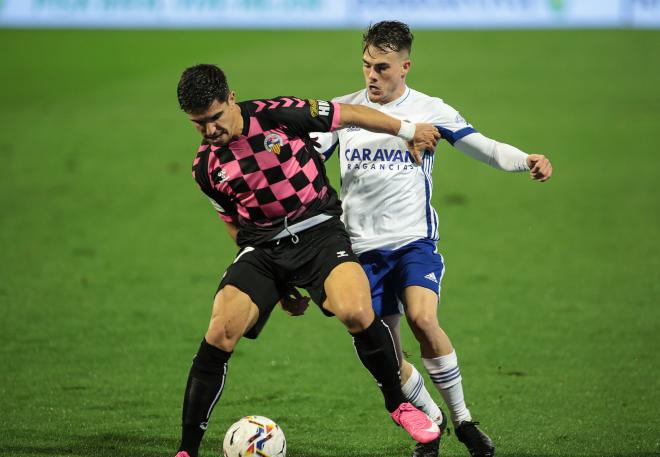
x=266 y=271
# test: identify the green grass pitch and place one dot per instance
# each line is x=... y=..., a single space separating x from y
x=109 y=254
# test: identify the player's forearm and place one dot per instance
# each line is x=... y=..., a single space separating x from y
x=498 y=155
x=368 y=119
x=232 y=230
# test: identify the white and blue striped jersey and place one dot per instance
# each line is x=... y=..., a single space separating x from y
x=386 y=197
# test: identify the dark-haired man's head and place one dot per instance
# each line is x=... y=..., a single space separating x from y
x=386 y=60
x=205 y=97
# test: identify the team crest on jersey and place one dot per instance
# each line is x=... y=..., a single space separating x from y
x=273 y=143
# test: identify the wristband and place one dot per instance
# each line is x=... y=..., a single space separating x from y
x=406 y=131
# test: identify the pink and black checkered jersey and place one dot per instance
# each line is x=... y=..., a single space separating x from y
x=271 y=172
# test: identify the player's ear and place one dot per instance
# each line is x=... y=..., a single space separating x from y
x=231 y=98
x=406 y=66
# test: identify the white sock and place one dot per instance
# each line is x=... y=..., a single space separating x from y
x=416 y=393
x=446 y=376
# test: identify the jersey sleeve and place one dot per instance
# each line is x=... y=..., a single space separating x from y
x=304 y=116
x=222 y=203
x=451 y=125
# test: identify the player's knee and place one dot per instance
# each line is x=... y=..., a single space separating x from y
x=425 y=323
x=356 y=316
x=221 y=334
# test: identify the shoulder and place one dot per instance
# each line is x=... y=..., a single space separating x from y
x=428 y=103
x=435 y=109
x=199 y=163
x=354 y=98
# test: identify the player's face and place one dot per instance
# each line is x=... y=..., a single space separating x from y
x=385 y=74
x=219 y=124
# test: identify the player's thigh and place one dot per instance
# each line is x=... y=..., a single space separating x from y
x=233 y=315
x=419 y=274
x=421 y=307
x=250 y=279
x=348 y=296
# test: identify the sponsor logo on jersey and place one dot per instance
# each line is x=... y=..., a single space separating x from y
x=324 y=108
x=378 y=159
x=342 y=254
x=353 y=128
x=313 y=107
x=431 y=277
x=273 y=143
x=319 y=107
x=219 y=175
x=378 y=155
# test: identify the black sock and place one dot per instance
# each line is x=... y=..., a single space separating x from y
x=375 y=348
x=205 y=383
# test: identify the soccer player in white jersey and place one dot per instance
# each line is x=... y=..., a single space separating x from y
x=386 y=193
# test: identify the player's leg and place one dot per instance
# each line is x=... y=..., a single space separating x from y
x=232 y=316
x=440 y=360
x=412 y=382
x=379 y=266
x=348 y=297
x=246 y=296
x=412 y=385
x=437 y=351
x=420 y=272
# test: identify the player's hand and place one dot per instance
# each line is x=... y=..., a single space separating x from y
x=425 y=139
x=293 y=302
x=317 y=146
x=540 y=168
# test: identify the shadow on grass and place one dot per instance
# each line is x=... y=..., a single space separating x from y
x=128 y=445
x=102 y=445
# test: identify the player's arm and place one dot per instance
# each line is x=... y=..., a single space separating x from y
x=232 y=230
x=504 y=157
x=420 y=137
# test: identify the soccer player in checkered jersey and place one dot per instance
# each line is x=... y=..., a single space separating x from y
x=261 y=173
x=393 y=227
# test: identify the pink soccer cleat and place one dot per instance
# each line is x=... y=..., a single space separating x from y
x=416 y=423
x=182 y=454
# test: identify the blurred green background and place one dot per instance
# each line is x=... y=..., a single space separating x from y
x=110 y=255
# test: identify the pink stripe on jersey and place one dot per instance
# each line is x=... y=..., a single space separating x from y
x=300 y=103
x=241 y=148
x=282 y=189
x=266 y=160
x=273 y=210
x=256 y=180
x=226 y=218
x=310 y=170
x=296 y=145
x=255 y=127
x=260 y=105
x=335 y=116
x=287 y=102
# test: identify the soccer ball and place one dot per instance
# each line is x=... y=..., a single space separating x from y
x=254 y=436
